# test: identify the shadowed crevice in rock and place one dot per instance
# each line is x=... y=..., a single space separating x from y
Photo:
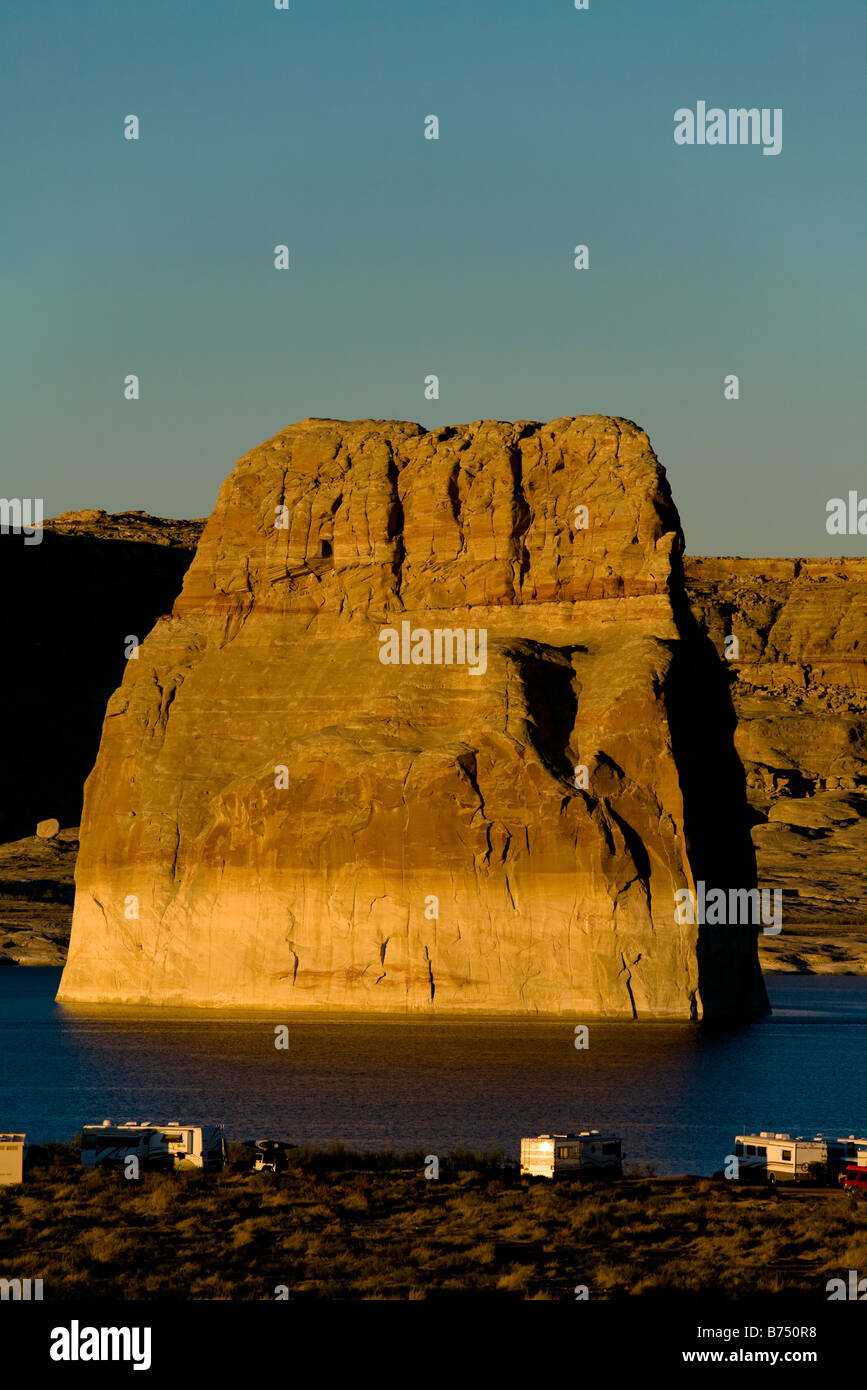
x=394 y=525
x=548 y=680
x=716 y=815
x=522 y=515
x=637 y=849
x=627 y=976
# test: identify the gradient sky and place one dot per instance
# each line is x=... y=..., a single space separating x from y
x=453 y=257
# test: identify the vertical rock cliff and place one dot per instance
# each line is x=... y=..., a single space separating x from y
x=299 y=800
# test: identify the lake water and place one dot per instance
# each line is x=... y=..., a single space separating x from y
x=676 y=1093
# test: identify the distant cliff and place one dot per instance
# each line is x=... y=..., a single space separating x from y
x=799 y=684
x=71 y=602
x=300 y=800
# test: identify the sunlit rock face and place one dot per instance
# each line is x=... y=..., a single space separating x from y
x=281 y=816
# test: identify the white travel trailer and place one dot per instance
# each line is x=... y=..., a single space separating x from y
x=155 y=1146
x=782 y=1158
x=573 y=1155
x=11 y=1158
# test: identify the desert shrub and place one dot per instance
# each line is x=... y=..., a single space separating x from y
x=371 y=1232
x=515 y=1278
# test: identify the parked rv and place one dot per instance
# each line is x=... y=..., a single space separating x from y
x=588 y=1153
x=155 y=1146
x=11 y=1158
x=785 y=1158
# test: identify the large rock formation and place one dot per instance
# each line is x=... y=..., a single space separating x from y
x=277 y=817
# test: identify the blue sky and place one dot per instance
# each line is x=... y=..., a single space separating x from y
x=454 y=257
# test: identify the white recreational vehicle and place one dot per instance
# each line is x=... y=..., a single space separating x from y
x=155 y=1146
x=782 y=1158
x=574 y=1155
x=11 y=1158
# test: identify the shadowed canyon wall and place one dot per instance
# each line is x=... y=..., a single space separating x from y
x=73 y=599
x=799 y=686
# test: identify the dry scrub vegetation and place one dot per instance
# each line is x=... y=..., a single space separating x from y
x=342 y=1225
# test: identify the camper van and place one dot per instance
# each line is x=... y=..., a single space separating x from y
x=155 y=1146
x=588 y=1153
x=782 y=1158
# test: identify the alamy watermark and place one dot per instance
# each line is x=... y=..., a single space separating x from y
x=77 y=1343
x=852 y=1289
x=23 y=1290
x=737 y=907
x=422 y=646
x=711 y=125
x=22 y=516
x=846 y=517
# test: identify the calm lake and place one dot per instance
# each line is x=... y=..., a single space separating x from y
x=675 y=1092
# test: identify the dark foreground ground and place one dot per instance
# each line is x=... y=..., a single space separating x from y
x=350 y=1226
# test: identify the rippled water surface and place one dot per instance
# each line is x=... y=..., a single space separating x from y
x=675 y=1092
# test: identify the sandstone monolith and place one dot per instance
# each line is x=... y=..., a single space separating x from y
x=280 y=818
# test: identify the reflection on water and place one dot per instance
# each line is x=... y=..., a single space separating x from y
x=675 y=1091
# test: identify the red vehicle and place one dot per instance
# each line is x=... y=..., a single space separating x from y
x=854 y=1179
